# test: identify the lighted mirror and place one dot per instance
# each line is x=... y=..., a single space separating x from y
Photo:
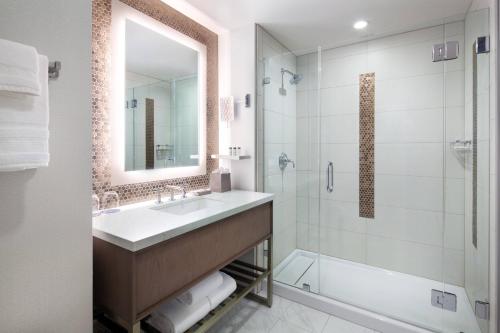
x=161 y=101
x=158 y=115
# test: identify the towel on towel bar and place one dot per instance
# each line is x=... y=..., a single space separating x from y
x=177 y=317
x=202 y=289
x=19 y=68
x=227 y=288
x=24 y=121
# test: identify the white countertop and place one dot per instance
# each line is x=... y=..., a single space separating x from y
x=138 y=226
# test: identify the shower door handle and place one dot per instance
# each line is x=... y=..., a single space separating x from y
x=329 y=177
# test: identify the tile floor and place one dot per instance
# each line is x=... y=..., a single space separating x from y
x=284 y=317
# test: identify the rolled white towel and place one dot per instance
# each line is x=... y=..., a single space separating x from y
x=177 y=317
x=19 y=68
x=202 y=289
x=227 y=288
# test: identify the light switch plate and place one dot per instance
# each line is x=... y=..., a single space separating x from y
x=451 y=50
x=438 y=52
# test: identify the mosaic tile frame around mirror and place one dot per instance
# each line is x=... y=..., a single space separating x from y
x=101 y=31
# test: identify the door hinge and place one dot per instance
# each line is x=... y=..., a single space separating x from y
x=482 y=310
x=444 y=300
x=266 y=80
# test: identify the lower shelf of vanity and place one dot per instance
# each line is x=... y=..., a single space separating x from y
x=129 y=286
x=248 y=277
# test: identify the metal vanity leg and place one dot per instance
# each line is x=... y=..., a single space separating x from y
x=136 y=328
x=270 y=269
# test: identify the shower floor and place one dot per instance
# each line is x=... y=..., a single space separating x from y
x=396 y=295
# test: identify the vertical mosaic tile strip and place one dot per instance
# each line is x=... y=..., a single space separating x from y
x=367 y=145
x=150 y=133
x=474 y=146
x=101 y=34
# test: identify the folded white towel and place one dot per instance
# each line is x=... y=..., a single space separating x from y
x=24 y=130
x=202 y=289
x=177 y=317
x=227 y=288
x=19 y=68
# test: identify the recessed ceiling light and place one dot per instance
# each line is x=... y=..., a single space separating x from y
x=358 y=25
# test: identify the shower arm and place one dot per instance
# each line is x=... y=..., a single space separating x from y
x=283 y=71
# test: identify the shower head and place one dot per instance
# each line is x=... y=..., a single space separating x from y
x=294 y=80
x=295 y=77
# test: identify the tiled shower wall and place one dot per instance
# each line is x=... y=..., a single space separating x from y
x=414 y=167
x=279 y=136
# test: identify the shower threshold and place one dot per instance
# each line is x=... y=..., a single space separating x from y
x=396 y=296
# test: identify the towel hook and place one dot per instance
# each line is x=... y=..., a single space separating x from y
x=54 y=68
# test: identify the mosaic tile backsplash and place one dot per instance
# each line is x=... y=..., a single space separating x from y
x=367 y=145
x=101 y=34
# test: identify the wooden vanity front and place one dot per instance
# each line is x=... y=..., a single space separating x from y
x=128 y=285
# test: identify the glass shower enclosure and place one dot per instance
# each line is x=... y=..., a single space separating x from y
x=378 y=153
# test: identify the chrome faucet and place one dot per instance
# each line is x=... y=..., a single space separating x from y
x=174 y=188
x=284 y=160
x=158 y=191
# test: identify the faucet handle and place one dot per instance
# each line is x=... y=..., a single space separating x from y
x=159 y=191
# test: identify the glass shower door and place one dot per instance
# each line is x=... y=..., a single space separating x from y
x=474 y=153
x=309 y=170
x=382 y=180
x=287 y=89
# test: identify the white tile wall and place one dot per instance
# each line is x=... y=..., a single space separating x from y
x=280 y=135
x=416 y=227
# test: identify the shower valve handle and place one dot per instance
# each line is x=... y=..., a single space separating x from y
x=284 y=160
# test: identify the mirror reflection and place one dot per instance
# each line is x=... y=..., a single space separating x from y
x=161 y=101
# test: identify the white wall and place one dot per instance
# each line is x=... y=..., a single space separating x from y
x=242 y=129
x=45 y=214
x=236 y=78
x=411 y=155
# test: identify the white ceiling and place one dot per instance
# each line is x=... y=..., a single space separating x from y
x=151 y=54
x=302 y=25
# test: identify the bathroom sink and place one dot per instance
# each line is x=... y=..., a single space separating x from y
x=186 y=207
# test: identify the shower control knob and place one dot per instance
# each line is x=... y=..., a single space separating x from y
x=284 y=160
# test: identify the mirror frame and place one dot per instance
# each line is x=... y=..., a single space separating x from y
x=122 y=13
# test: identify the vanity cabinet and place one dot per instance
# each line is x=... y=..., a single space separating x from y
x=128 y=285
